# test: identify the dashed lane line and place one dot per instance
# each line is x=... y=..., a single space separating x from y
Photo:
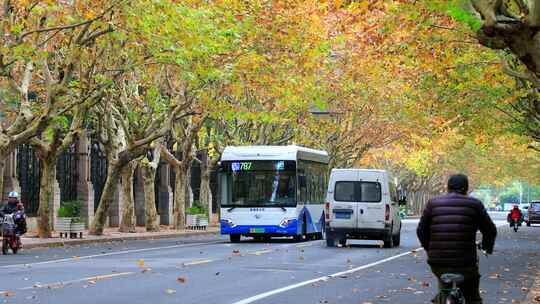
x=77 y=258
x=197 y=262
x=93 y=279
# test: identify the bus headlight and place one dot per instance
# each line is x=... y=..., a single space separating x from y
x=228 y=222
x=286 y=222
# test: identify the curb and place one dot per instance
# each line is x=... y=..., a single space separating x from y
x=74 y=242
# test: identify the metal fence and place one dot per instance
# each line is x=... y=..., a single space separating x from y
x=29 y=175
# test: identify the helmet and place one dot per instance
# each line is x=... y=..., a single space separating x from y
x=13 y=194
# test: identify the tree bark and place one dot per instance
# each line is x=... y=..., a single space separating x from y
x=205 y=196
x=127 y=224
x=45 y=196
x=2 y=166
x=180 y=190
x=107 y=196
x=189 y=190
x=150 y=212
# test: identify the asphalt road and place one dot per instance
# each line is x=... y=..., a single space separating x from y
x=210 y=270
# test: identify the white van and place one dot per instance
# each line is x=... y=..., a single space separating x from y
x=362 y=204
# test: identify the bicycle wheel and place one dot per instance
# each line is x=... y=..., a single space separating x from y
x=450 y=299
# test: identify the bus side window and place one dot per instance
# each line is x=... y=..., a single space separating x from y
x=302 y=187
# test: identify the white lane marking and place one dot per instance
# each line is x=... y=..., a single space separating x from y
x=197 y=262
x=65 y=283
x=77 y=258
x=260 y=252
x=270 y=270
x=324 y=278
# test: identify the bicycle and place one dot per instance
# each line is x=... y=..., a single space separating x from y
x=450 y=292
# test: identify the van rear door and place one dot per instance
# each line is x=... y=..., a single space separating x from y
x=371 y=206
x=342 y=194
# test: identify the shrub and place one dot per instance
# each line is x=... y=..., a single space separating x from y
x=70 y=209
x=196 y=210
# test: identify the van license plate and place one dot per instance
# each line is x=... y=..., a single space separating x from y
x=343 y=215
x=256 y=230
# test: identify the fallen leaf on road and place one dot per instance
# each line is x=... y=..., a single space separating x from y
x=524 y=289
x=217 y=273
x=181 y=280
x=425 y=284
x=140 y=262
x=495 y=276
x=170 y=291
x=76 y=257
x=236 y=252
x=146 y=270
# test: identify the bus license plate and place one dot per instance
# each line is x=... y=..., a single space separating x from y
x=256 y=230
x=343 y=215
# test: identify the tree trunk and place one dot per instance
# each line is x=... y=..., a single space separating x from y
x=45 y=196
x=2 y=166
x=189 y=190
x=127 y=224
x=205 y=196
x=96 y=228
x=180 y=190
x=150 y=212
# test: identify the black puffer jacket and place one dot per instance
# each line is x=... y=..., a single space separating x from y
x=447 y=230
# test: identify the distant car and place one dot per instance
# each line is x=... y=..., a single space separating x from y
x=533 y=213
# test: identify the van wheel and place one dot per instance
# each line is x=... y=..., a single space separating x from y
x=235 y=238
x=389 y=239
x=396 y=239
x=330 y=242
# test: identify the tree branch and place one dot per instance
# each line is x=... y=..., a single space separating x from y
x=169 y=158
x=68 y=27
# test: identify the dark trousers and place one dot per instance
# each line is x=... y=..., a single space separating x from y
x=470 y=287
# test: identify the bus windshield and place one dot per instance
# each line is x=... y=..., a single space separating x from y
x=260 y=184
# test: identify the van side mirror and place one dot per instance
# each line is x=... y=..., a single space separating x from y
x=302 y=181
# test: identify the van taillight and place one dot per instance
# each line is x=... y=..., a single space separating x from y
x=327 y=211
x=387 y=213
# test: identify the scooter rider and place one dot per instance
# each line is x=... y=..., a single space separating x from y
x=515 y=216
x=15 y=207
x=12 y=204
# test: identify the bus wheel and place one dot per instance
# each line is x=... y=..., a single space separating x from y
x=330 y=242
x=235 y=238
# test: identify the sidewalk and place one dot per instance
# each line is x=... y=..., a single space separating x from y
x=30 y=240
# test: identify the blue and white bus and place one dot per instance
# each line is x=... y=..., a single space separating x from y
x=272 y=191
